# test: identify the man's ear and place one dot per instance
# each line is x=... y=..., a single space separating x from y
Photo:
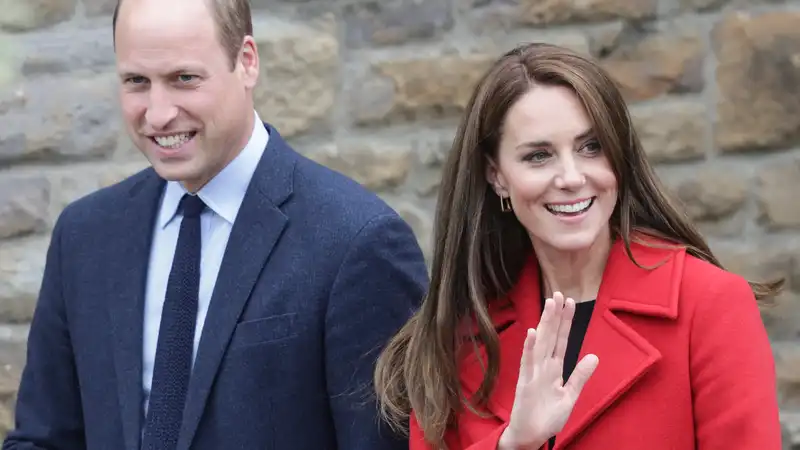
x=249 y=61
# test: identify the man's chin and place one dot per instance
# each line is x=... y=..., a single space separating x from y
x=174 y=170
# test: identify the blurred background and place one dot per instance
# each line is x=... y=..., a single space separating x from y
x=374 y=89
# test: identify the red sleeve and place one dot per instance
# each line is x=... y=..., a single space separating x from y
x=733 y=371
x=416 y=440
x=489 y=441
x=487 y=431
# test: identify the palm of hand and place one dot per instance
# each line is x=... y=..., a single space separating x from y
x=543 y=403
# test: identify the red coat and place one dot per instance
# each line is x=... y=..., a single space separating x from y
x=685 y=363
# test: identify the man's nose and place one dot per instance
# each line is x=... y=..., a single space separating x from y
x=161 y=110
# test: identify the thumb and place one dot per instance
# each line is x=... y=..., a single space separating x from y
x=583 y=371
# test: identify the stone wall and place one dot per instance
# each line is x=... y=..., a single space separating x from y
x=373 y=88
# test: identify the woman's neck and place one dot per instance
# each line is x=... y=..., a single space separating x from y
x=576 y=274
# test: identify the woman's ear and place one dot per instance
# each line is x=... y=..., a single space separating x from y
x=495 y=178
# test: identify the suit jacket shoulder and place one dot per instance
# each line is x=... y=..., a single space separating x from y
x=336 y=199
x=97 y=207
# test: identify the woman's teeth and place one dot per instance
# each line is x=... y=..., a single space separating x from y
x=573 y=208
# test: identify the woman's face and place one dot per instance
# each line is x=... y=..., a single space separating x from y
x=558 y=178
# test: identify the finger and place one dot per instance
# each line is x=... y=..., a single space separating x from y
x=564 y=327
x=544 y=330
x=583 y=371
x=548 y=332
x=526 y=362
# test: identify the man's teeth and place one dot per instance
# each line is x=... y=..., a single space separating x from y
x=570 y=209
x=173 y=141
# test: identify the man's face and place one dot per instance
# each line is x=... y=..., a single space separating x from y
x=185 y=107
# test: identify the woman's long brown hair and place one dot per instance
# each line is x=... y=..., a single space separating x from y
x=479 y=251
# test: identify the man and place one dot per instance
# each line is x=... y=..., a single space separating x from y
x=234 y=295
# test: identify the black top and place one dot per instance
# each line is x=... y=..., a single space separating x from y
x=583 y=313
x=580 y=323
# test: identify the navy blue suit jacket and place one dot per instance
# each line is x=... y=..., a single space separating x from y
x=317 y=276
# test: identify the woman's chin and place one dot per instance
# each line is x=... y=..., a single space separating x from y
x=572 y=242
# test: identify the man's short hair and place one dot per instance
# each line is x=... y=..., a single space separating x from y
x=233 y=21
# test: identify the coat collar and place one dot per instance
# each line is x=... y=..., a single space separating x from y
x=624 y=354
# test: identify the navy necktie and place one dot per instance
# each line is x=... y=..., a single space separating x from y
x=173 y=361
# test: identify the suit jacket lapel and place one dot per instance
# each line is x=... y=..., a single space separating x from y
x=625 y=356
x=127 y=278
x=255 y=232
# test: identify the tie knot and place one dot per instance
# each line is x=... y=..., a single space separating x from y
x=192 y=205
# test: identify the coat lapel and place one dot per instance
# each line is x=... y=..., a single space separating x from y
x=625 y=356
x=523 y=311
x=128 y=278
x=255 y=232
x=502 y=397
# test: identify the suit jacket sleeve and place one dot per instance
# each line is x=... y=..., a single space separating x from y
x=380 y=283
x=48 y=411
x=733 y=372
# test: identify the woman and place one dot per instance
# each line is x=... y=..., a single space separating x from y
x=547 y=194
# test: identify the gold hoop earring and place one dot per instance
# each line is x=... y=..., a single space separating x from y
x=505 y=204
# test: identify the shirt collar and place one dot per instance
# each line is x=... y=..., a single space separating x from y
x=225 y=192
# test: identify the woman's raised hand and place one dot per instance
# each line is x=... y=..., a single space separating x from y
x=543 y=402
